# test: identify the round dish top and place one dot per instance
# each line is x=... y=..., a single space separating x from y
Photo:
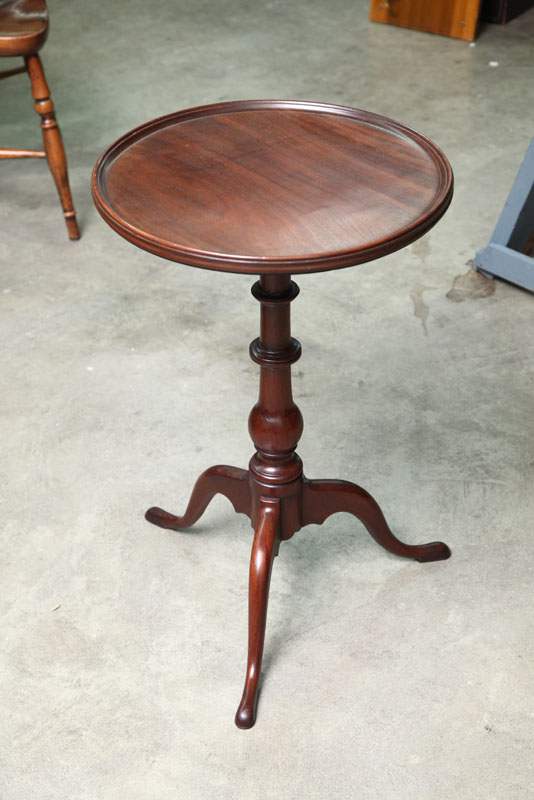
x=272 y=186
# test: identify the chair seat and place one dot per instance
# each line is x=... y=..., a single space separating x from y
x=23 y=26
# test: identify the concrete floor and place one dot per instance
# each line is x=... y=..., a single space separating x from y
x=124 y=376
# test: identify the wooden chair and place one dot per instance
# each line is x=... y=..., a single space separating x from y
x=23 y=31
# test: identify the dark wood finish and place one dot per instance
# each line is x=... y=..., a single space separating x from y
x=264 y=549
x=23 y=31
x=456 y=18
x=231 y=482
x=320 y=499
x=273 y=492
x=312 y=186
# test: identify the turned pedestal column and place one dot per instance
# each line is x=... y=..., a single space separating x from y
x=274 y=492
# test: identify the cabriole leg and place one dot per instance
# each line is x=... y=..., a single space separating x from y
x=323 y=498
x=232 y=482
x=264 y=549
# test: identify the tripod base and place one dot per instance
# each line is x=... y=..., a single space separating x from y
x=276 y=514
x=273 y=492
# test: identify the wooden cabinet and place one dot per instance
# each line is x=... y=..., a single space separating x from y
x=456 y=18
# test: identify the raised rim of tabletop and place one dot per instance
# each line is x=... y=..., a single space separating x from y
x=315 y=262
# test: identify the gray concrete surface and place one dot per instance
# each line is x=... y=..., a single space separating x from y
x=124 y=376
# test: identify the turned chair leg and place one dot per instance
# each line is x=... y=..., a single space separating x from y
x=55 y=152
x=264 y=549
